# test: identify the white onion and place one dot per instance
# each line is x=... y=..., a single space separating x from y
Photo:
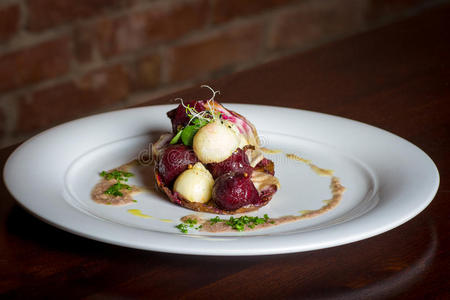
x=195 y=184
x=215 y=142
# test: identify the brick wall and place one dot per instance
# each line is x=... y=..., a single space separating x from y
x=62 y=59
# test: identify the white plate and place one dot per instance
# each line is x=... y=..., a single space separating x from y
x=388 y=181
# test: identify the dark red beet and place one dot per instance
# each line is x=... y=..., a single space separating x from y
x=178 y=116
x=234 y=190
x=237 y=162
x=174 y=160
x=266 y=165
x=268 y=192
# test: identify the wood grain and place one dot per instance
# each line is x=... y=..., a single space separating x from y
x=396 y=77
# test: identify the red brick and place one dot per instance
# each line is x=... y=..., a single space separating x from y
x=316 y=21
x=225 y=10
x=91 y=93
x=44 y=14
x=47 y=60
x=215 y=51
x=147 y=72
x=380 y=9
x=9 y=21
x=162 y=22
x=83 y=43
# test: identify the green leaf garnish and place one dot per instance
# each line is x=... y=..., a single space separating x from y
x=187 y=137
x=176 y=138
x=200 y=122
x=197 y=119
x=187 y=133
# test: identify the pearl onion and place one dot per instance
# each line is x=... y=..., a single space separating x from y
x=215 y=142
x=195 y=184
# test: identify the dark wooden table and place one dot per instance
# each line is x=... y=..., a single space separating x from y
x=396 y=77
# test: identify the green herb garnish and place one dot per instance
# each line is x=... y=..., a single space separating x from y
x=215 y=220
x=240 y=223
x=189 y=223
x=197 y=119
x=119 y=176
x=187 y=136
x=187 y=133
x=182 y=227
x=200 y=122
x=115 y=189
x=176 y=138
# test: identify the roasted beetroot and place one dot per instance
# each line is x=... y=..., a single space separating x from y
x=238 y=188
x=266 y=165
x=178 y=116
x=234 y=190
x=237 y=162
x=174 y=160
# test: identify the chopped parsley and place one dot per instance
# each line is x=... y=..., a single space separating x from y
x=238 y=224
x=119 y=176
x=215 y=220
x=115 y=189
x=182 y=227
x=189 y=223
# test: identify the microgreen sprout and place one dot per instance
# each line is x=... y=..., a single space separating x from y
x=211 y=109
x=197 y=119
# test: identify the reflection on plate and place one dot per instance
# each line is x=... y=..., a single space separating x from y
x=53 y=173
